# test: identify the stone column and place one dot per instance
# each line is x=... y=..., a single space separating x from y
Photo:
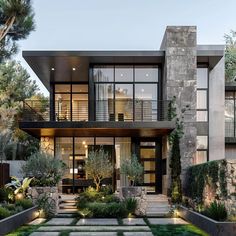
x=179 y=80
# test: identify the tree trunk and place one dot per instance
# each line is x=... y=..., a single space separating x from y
x=7 y=26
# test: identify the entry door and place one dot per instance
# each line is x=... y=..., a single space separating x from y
x=150 y=157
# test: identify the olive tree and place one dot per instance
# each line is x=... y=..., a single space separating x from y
x=132 y=168
x=98 y=166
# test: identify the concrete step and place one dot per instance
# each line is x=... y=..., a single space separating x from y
x=156 y=214
x=67 y=211
x=67 y=204
x=158 y=210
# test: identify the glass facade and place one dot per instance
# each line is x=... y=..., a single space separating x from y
x=126 y=93
x=71 y=102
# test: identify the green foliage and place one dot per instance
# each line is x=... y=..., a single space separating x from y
x=98 y=166
x=216 y=211
x=230 y=56
x=131 y=205
x=4 y=212
x=132 y=168
x=46 y=170
x=19 y=187
x=177 y=230
x=46 y=204
x=206 y=174
x=16 y=22
x=101 y=210
x=25 y=203
x=3 y=194
x=175 y=165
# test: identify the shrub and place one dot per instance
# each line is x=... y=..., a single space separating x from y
x=106 y=190
x=110 y=198
x=25 y=203
x=46 y=204
x=10 y=207
x=4 y=212
x=130 y=205
x=3 y=195
x=113 y=209
x=216 y=211
x=46 y=169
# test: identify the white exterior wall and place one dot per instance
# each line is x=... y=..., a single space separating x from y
x=216 y=112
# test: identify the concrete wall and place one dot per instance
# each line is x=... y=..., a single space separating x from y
x=15 y=168
x=230 y=152
x=179 y=80
x=216 y=112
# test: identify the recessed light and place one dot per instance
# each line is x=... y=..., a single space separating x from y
x=121 y=75
x=52 y=68
x=142 y=90
x=83 y=142
x=73 y=69
x=146 y=75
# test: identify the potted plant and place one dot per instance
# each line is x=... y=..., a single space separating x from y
x=133 y=170
x=46 y=171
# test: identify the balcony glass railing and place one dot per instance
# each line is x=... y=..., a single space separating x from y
x=125 y=110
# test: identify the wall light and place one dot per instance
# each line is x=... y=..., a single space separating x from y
x=75 y=170
x=52 y=68
x=73 y=69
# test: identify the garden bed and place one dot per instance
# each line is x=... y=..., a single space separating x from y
x=13 y=222
x=212 y=227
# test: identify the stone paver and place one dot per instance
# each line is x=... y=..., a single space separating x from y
x=167 y=221
x=97 y=221
x=134 y=221
x=60 y=221
x=45 y=234
x=37 y=221
x=99 y=228
x=93 y=234
x=138 y=234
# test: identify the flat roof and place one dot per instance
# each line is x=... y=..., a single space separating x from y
x=41 y=62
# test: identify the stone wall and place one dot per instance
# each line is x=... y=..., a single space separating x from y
x=179 y=81
x=47 y=145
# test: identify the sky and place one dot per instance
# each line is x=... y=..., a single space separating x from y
x=122 y=24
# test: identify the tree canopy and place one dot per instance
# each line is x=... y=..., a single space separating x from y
x=230 y=56
x=16 y=23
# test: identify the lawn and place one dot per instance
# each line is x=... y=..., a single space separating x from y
x=175 y=230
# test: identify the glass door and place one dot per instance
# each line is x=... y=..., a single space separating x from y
x=150 y=156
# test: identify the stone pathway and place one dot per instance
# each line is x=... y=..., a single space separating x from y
x=101 y=227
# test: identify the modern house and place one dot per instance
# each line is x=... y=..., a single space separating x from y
x=120 y=100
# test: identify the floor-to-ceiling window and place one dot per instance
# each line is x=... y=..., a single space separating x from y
x=73 y=151
x=71 y=102
x=126 y=92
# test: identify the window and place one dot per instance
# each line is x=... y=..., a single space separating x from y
x=202 y=114
x=71 y=102
x=202 y=94
x=230 y=114
x=202 y=149
x=126 y=92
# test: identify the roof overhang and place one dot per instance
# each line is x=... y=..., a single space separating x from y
x=63 y=61
x=101 y=129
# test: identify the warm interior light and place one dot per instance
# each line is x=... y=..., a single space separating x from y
x=85 y=146
x=83 y=142
x=75 y=170
x=73 y=69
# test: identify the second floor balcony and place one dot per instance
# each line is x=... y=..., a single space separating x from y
x=123 y=110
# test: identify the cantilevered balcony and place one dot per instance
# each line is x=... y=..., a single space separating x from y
x=143 y=118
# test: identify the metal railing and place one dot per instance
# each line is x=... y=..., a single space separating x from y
x=105 y=110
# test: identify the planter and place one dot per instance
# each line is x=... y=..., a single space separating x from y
x=212 y=227
x=51 y=192
x=132 y=191
x=13 y=222
x=138 y=193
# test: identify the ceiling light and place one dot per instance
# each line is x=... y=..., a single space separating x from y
x=146 y=75
x=121 y=75
x=83 y=142
x=52 y=68
x=73 y=69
